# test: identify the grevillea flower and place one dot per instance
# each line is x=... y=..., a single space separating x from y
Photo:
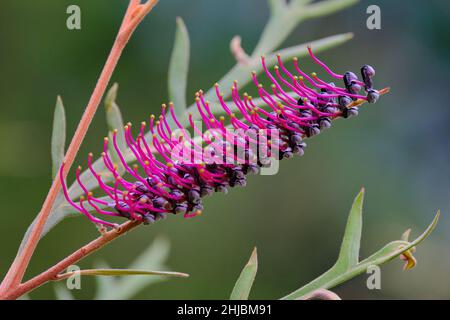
x=162 y=181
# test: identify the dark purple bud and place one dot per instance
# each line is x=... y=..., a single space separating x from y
x=140 y=187
x=148 y=219
x=252 y=169
x=222 y=188
x=241 y=182
x=206 y=190
x=373 y=96
x=349 y=77
x=194 y=196
x=313 y=130
x=368 y=71
x=344 y=101
x=181 y=208
x=161 y=203
x=325 y=123
x=296 y=138
x=298 y=150
x=354 y=88
x=351 y=112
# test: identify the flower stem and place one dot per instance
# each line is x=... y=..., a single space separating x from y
x=133 y=16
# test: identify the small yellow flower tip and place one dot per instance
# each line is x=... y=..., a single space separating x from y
x=260 y=85
x=163 y=106
x=201 y=170
x=115 y=131
x=273 y=86
x=143 y=123
x=154 y=136
x=143 y=200
x=82 y=198
x=198 y=212
x=79 y=168
x=90 y=194
x=169 y=164
x=278 y=55
x=152 y=116
x=146 y=162
x=250 y=97
x=105 y=139
x=300 y=78
x=103 y=154
x=129 y=124
x=314 y=75
x=200 y=91
x=135 y=166
x=222 y=118
x=233 y=115
x=216 y=85
x=235 y=82
x=126 y=127
x=161 y=117
x=269 y=142
x=197 y=99
x=295 y=59
x=276 y=67
x=211 y=120
x=90 y=154
x=254 y=73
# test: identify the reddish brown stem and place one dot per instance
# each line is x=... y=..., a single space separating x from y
x=52 y=273
x=133 y=16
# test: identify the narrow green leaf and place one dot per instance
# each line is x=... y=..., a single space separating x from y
x=114 y=118
x=58 y=136
x=349 y=253
x=323 y=8
x=122 y=272
x=178 y=69
x=244 y=284
x=243 y=73
x=154 y=258
x=276 y=6
x=336 y=276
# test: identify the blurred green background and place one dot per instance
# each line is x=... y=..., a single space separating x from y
x=398 y=149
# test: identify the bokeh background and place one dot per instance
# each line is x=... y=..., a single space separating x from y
x=398 y=149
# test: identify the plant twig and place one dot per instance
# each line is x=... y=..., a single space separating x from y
x=53 y=272
x=133 y=16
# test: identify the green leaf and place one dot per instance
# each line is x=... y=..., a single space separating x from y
x=349 y=253
x=243 y=73
x=323 y=8
x=336 y=275
x=244 y=284
x=277 y=6
x=58 y=136
x=114 y=120
x=154 y=257
x=178 y=69
x=121 y=272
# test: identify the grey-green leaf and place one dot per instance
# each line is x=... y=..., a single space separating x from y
x=244 y=284
x=179 y=68
x=349 y=253
x=58 y=136
x=122 y=272
x=336 y=275
x=154 y=257
x=114 y=118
